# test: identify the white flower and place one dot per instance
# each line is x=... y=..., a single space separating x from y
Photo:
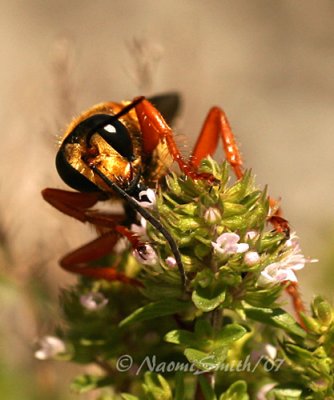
x=49 y=347
x=274 y=273
x=171 y=262
x=270 y=350
x=283 y=270
x=93 y=301
x=251 y=258
x=262 y=393
x=147 y=198
x=227 y=243
x=140 y=230
x=145 y=254
x=250 y=235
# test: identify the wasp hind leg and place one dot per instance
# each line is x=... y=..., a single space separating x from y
x=216 y=125
x=78 y=260
x=78 y=206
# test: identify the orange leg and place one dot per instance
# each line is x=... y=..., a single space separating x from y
x=77 y=206
x=154 y=129
x=215 y=125
x=77 y=261
x=292 y=290
x=73 y=204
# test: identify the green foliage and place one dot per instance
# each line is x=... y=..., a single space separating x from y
x=224 y=336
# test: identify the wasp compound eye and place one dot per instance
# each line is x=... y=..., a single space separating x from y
x=113 y=132
x=79 y=144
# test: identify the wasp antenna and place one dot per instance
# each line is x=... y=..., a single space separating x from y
x=111 y=118
x=128 y=107
x=150 y=218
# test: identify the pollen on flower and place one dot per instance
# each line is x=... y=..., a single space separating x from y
x=227 y=243
x=49 y=347
x=93 y=301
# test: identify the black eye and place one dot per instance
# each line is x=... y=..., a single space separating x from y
x=113 y=132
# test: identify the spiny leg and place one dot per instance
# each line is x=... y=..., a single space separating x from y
x=78 y=260
x=155 y=129
x=216 y=125
x=74 y=204
x=77 y=205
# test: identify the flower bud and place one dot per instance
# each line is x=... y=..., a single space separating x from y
x=323 y=310
x=251 y=258
x=212 y=215
x=49 y=347
x=93 y=301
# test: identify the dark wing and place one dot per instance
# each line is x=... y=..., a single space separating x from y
x=169 y=105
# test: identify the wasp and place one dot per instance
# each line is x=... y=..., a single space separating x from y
x=117 y=151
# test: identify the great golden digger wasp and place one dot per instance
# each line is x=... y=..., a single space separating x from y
x=115 y=151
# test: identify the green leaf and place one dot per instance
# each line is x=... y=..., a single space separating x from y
x=230 y=333
x=207 y=299
x=263 y=297
x=287 y=393
x=207 y=361
x=276 y=317
x=127 y=396
x=179 y=386
x=156 y=387
x=237 y=391
x=203 y=328
x=185 y=338
x=155 y=310
x=206 y=388
x=231 y=209
x=85 y=383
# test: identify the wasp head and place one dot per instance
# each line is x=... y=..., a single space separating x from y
x=104 y=142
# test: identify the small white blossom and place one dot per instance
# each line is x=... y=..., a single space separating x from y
x=250 y=235
x=262 y=393
x=251 y=258
x=49 y=347
x=274 y=273
x=171 y=262
x=270 y=350
x=140 y=230
x=93 y=301
x=147 y=198
x=293 y=242
x=227 y=243
x=283 y=270
x=145 y=254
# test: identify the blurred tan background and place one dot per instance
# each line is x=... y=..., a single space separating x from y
x=269 y=64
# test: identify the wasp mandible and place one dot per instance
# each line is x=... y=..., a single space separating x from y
x=115 y=151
